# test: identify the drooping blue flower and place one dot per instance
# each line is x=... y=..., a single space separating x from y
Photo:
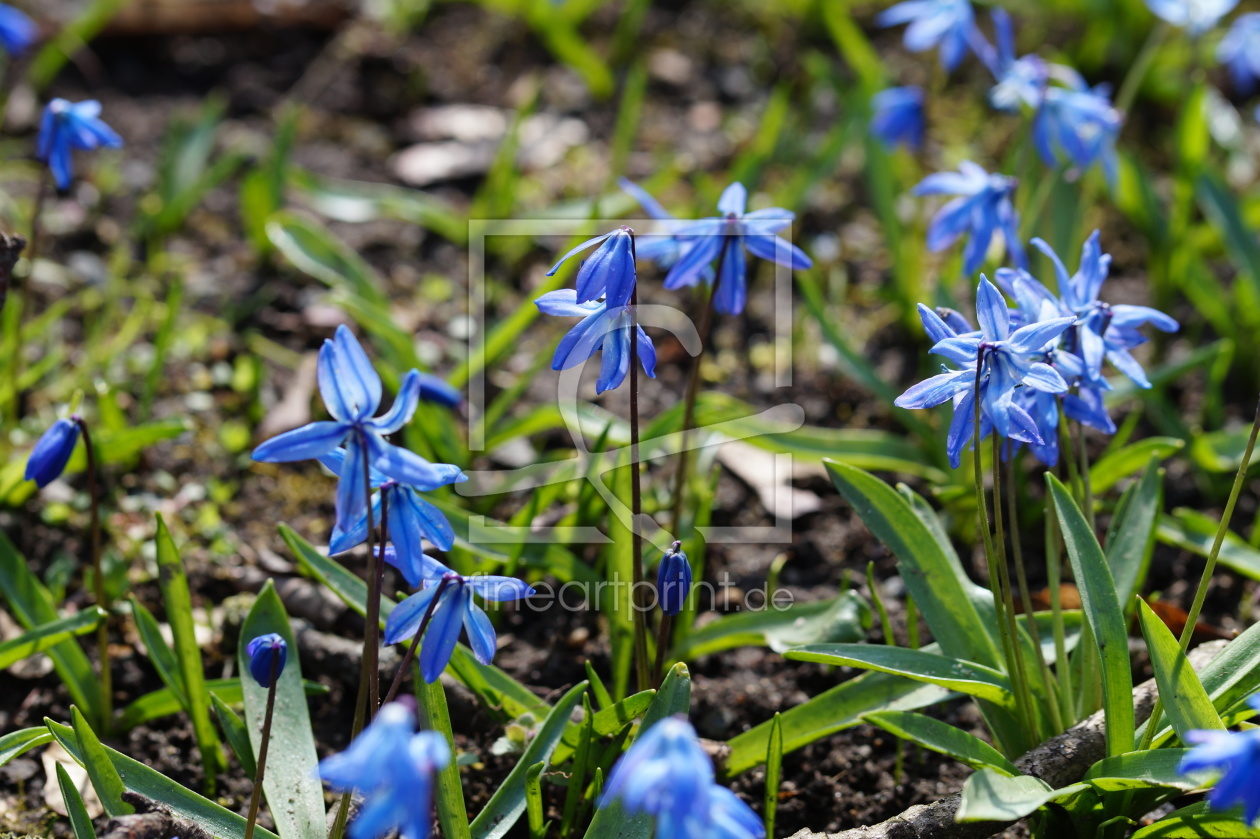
x=607 y=273
x=1240 y=52
x=725 y=239
x=410 y=518
x=982 y=208
x=394 y=768
x=1194 y=16
x=455 y=608
x=17 y=31
x=897 y=117
x=265 y=652
x=437 y=390
x=1078 y=123
x=52 y=452
x=667 y=775
x=673 y=580
x=949 y=24
x=1020 y=81
x=67 y=126
x=603 y=328
x=352 y=392
x=1238 y=754
x=1009 y=359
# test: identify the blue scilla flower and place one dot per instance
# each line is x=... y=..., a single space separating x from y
x=1020 y=81
x=1240 y=52
x=983 y=207
x=949 y=24
x=667 y=775
x=1238 y=754
x=607 y=273
x=1194 y=16
x=603 y=328
x=664 y=249
x=673 y=580
x=265 y=653
x=725 y=239
x=437 y=390
x=1009 y=359
x=351 y=390
x=411 y=519
x=455 y=607
x=67 y=126
x=1078 y=123
x=52 y=452
x=393 y=767
x=17 y=31
x=897 y=117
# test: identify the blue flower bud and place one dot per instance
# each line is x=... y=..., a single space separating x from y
x=437 y=390
x=17 y=31
x=673 y=580
x=264 y=651
x=51 y=453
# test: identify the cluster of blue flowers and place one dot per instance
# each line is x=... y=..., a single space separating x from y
x=1022 y=362
x=393 y=767
x=667 y=775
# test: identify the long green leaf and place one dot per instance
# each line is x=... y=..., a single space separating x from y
x=161 y=656
x=942 y=737
x=1104 y=615
x=1140 y=770
x=1113 y=468
x=178 y=599
x=292 y=785
x=962 y=676
x=1195 y=532
x=1184 y=698
x=1131 y=540
x=80 y=821
x=839 y=619
x=105 y=778
x=18 y=742
x=49 y=635
x=164 y=702
x=452 y=815
x=1198 y=821
x=32 y=605
x=236 y=733
x=509 y=801
x=988 y=795
x=182 y=802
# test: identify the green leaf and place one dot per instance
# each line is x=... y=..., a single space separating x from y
x=952 y=674
x=164 y=702
x=1184 y=698
x=774 y=772
x=314 y=250
x=937 y=585
x=617 y=604
x=509 y=801
x=1104 y=615
x=178 y=599
x=292 y=785
x=611 y=821
x=183 y=803
x=942 y=737
x=236 y=733
x=1114 y=467
x=1192 y=531
x=1198 y=821
x=1131 y=540
x=80 y=821
x=833 y=710
x=362 y=201
x=18 y=742
x=1221 y=208
x=70 y=40
x=988 y=795
x=1141 y=770
x=161 y=656
x=838 y=619
x=452 y=816
x=50 y=634
x=32 y=605
x=105 y=778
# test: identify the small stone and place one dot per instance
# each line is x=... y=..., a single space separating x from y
x=578 y=637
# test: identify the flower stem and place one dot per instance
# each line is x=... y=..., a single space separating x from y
x=371 y=632
x=1200 y=594
x=1140 y=67
x=662 y=646
x=256 y=796
x=98 y=579
x=1087 y=488
x=22 y=299
x=415 y=642
x=636 y=502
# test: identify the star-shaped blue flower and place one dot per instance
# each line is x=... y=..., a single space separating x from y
x=1077 y=123
x=1238 y=754
x=67 y=126
x=1020 y=81
x=949 y=24
x=455 y=608
x=983 y=207
x=352 y=392
x=603 y=328
x=52 y=452
x=1240 y=52
x=725 y=239
x=897 y=117
x=1194 y=16
x=394 y=768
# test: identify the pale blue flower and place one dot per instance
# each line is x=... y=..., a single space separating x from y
x=602 y=329
x=982 y=208
x=1240 y=52
x=1194 y=16
x=897 y=117
x=67 y=126
x=949 y=24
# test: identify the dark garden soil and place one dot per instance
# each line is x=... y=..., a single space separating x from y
x=705 y=68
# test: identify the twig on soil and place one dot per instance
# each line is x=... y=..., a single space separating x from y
x=1059 y=761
